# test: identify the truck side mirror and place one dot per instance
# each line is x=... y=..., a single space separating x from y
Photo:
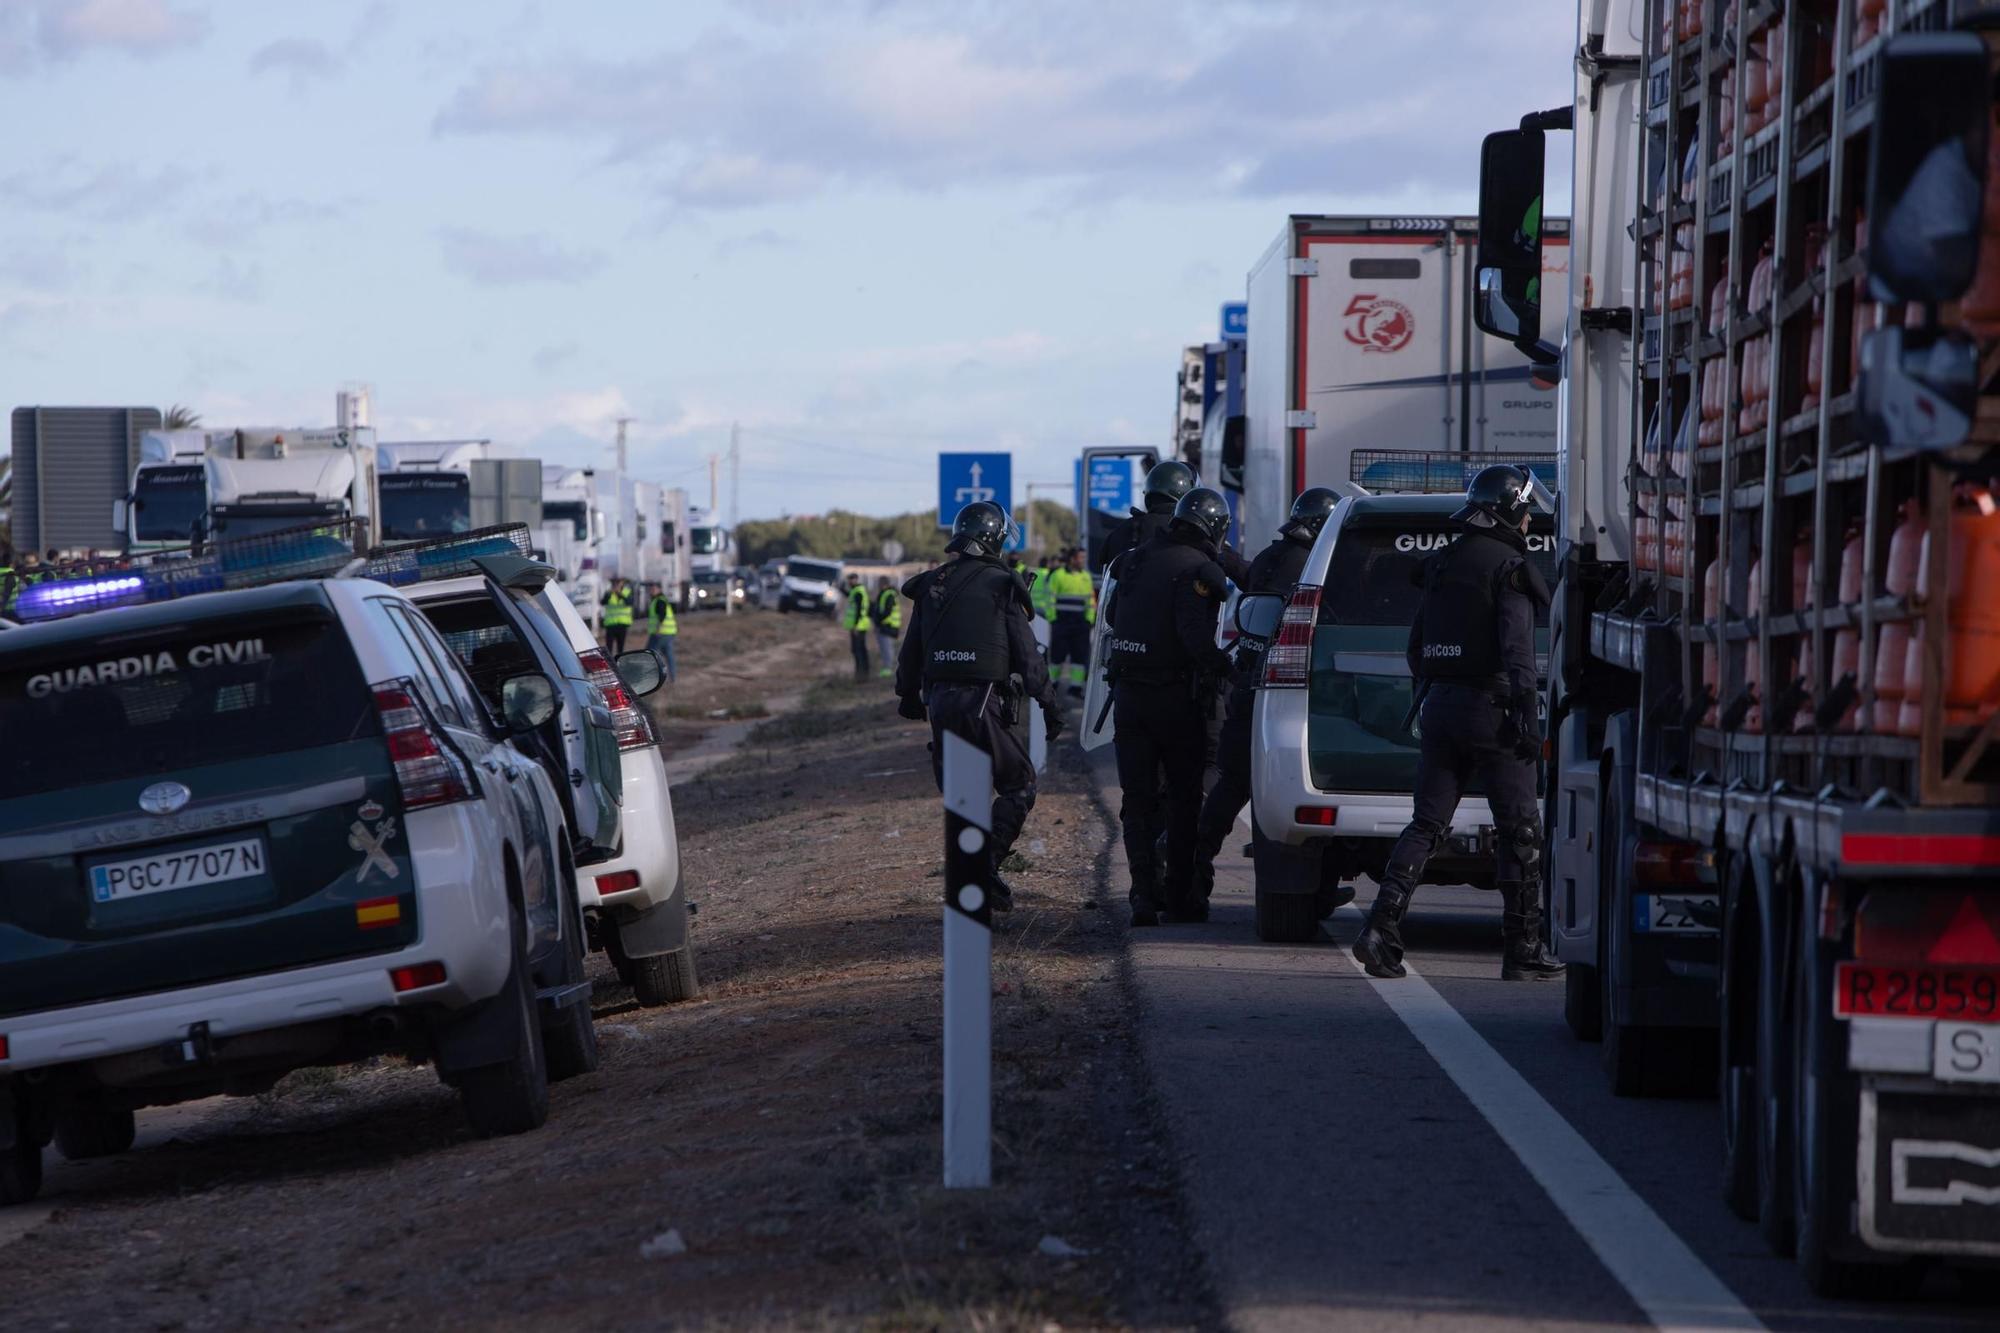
x=1927 y=167
x=1919 y=387
x=1508 y=299
x=120 y=511
x=1233 y=461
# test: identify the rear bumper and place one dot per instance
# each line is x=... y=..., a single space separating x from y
x=463 y=923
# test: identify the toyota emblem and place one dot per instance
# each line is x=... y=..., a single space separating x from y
x=163 y=798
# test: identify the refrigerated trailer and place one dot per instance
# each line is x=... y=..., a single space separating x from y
x=1774 y=798
x=1360 y=339
x=71 y=465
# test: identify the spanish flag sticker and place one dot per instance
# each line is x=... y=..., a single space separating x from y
x=377 y=912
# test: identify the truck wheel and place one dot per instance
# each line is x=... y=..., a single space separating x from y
x=20 y=1172
x=1287 y=918
x=511 y=1097
x=84 y=1131
x=571 y=1040
x=666 y=978
x=1583 y=1002
x=1776 y=1207
x=1624 y=1049
x=1737 y=1044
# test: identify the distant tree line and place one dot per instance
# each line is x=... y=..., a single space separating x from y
x=841 y=535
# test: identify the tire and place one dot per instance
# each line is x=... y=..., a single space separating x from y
x=511 y=1097
x=570 y=1042
x=1583 y=1002
x=1624 y=1048
x=20 y=1172
x=1287 y=918
x=667 y=978
x=84 y=1131
x=1776 y=1207
x=1736 y=1049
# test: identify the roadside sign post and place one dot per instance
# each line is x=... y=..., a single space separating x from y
x=1235 y=321
x=968 y=966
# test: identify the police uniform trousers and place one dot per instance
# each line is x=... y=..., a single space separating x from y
x=1229 y=792
x=976 y=713
x=1162 y=743
x=1069 y=642
x=1461 y=742
x=857 y=640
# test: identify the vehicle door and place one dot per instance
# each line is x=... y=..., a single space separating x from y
x=494 y=637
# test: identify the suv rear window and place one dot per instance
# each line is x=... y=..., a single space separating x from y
x=480 y=636
x=211 y=693
x=1371 y=579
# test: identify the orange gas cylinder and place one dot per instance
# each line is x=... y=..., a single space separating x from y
x=1816 y=332
x=1714 y=402
x=1847 y=642
x=1980 y=309
x=1725 y=115
x=1868 y=21
x=1718 y=307
x=1910 y=716
x=1802 y=600
x=1905 y=547
x=1972 y=658
x=1644 y=555
x=1711 y=609
x=1690 y=19
x=1756 y=86
x=1680 y=280
x=1774 y=78
x=1753 y=660
x=1673 y=542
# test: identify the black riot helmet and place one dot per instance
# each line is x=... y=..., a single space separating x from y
x=1169 y=481
x=1310 y=510
x=1205 y=511
x=1500 y=493
x=981 y=528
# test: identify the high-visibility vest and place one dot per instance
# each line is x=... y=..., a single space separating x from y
x=617 y=608
x=1074 y=594
x=1042 y=594
x=889 y=609
x=660 y=616
x=856 y=616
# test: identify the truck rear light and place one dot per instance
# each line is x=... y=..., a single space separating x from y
x=416 y=976
x=628 y=719
x=1319 y=816
x=428 y=770
x=1670 y=864
x=3 y=1046
x=1288 y=661
x=619 y=881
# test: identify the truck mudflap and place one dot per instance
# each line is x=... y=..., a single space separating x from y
x=1929 y=1171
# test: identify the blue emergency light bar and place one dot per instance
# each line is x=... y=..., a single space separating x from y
x=1437 y=472
x=447 y=557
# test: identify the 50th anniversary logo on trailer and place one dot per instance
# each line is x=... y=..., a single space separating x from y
x=1379 y=324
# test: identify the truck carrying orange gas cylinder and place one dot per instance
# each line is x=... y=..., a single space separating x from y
x=1891 y=679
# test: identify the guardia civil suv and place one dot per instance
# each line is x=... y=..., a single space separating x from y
x=1333 y=760
x=250 y=830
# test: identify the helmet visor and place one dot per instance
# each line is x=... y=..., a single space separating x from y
x=1539 y=495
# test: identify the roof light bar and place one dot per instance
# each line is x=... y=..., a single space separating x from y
x=446 y=557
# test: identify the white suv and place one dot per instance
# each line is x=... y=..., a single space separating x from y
x=247 y=831
x=811 y=585
x=632 y=895
x=1333 y=761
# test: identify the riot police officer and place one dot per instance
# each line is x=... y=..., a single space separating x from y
x=1164 y=663
x=971 y=664
x=1472 y=652
x=1165 y=484
x=1276 y=569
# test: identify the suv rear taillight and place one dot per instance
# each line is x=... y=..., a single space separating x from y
x=1288 y=661
x=634 y=728
x=427 y=769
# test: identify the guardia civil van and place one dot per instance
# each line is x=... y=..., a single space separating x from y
x=260 y=828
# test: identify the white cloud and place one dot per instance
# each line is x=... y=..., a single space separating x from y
x=66 y=29
x=302 y=59
x=494 y=260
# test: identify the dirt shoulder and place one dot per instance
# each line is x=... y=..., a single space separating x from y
x=768 y=1156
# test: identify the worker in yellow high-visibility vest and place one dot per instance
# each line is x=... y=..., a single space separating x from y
x=857 y=622
x=888 y=612
x=617 y=616
x=1075 y=598
x=661 y=627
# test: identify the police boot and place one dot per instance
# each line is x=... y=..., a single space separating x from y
x=1379 y=948
x=1524 y=957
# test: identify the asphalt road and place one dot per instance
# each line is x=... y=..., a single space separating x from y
x=1440 y=1153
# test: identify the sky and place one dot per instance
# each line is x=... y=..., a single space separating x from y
x=862 y=230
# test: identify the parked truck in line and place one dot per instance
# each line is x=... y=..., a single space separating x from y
x=711 y=547
x=71 y=468
x=572 y=531
x=433 y=487
x=261 y=480
x=672 y=530
x=168 y=499
x=1362 y=346
x=1773 y=801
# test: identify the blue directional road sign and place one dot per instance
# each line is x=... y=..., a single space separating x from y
x=1235 y=321
x=1111 y=484
x=964 y=478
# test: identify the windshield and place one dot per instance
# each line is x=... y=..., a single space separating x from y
x=705 y=541
x=166 y=502
x=1371 y=579
x=571 y=512
x=427 y=504
x=226 y=525
x=813 y=571
x=207 y=694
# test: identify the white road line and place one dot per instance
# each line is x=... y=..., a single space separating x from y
x=1662 y=1275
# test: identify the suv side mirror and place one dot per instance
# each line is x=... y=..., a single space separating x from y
x=527 y=701
x=1507 y=302
x=1258 y=614
x=640 y=670
x=1927 y=167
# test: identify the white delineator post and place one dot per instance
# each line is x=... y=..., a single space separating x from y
x=968 y=966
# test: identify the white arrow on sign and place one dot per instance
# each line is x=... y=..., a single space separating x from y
x=975 y=492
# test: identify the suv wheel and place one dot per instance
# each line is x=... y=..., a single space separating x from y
x=20 y=1165
x=1287 y=918
x=571 y=1038
x=84 y=1131
x=666 y=978
x=511 y=1097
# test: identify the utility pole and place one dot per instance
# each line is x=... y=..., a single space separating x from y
x=623 y=422
x=714 y=505
x=735 y=471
